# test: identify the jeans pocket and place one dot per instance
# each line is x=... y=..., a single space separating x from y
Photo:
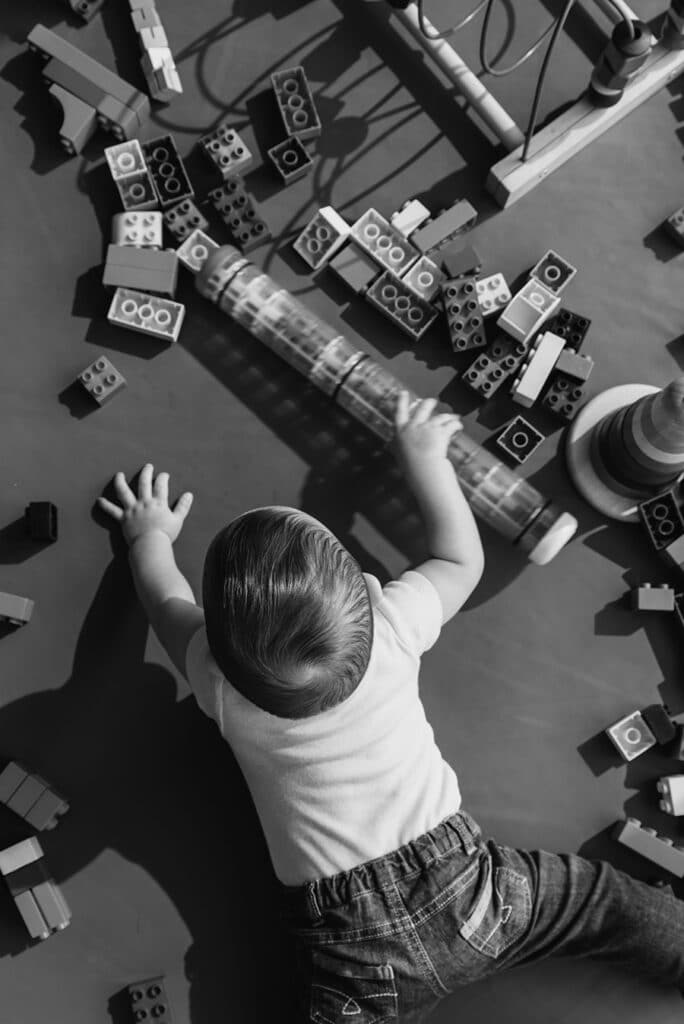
x=344 y=992
x=502 y=912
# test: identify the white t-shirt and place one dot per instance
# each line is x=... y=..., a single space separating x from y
x=354 y=782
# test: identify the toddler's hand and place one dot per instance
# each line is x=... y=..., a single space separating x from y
x=419 y=435
x=150 y=511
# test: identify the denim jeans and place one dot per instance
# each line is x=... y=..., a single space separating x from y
x=388 y=939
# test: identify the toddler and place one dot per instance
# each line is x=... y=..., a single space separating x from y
x=310 y=669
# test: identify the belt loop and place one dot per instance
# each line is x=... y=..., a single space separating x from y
x=312 y=902
x=467 y=832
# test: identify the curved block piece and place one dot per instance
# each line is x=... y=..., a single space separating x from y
x=79 y=119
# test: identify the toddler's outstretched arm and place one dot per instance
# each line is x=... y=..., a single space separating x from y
x=453 y=539
x=150 y=526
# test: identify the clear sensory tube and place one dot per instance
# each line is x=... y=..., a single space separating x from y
x=497 y=494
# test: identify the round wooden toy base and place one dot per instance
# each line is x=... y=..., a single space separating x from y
x=597 y=486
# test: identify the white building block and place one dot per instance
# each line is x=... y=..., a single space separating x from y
x=671 y=789
x=535 y=371
x=410 y=217
x=527 y=310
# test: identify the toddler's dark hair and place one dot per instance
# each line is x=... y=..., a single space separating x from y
x=287 y=610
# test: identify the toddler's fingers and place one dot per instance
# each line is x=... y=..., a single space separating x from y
x=448 y=420
x=123 y=491
x=161 y=487
x=111 y=508
x=183 y=505
x=145 y=482
x=402 y=408
x=423 y=410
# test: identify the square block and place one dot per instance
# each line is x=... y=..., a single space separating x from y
x=125 y=158
x=663 y=519
x=137 y=192
x=424 y=278
x=553 y=271
x=495 y=365
x=141 y=228
x=519 y=439
x=407 y=310
x=148 y=1001
x=195 y=249
x=355 y=267
x=152 y=37
x=46 y=812
x=291 y=159
x=40 y=521
x=145 y=17
x=441 y=229
x=102 y=380
x=325 y=233
x=148 y=314
x=631 y=736
x=564 y=397
x=183 y=219
x=384 y=243
x=227 y=151
x=16 y=610
x=412 y=214
x=571 y=364
x=527 y=310
x=571 y=326
x=493 y=294
x=295 y=103
x=464 y=316
x=535 y=371
x=154 y=59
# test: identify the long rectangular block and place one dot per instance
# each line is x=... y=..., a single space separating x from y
x=649 y=844
x=631 y=736
x=400 y=303
x=325 y=233
x=534 y=373
x=168 y=171
x=441 y=229
x=148 y=314
x=295 y=103
x=52 y=905
x=148 y=270
x=647 y=598
x=385 y=244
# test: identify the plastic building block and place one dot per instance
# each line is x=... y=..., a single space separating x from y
x=161 y=75
x=18 y=856
x=295 y=103
x=35 y=893
x=648 y=598
x=240 y=214
x=563 y=397
x=493 y=294
x=122 y=121
x=195 y=249
x=52 y=905
x=47 y=810
x=631 y=736
x=131 y=176
x=227 y=151
x=85 y=8
x=168 y=173
x=142 y=228
x=40 y=520
x=325 y=233
x=675 y=226
x=674 y=553
x=79 y=119
x=183 y=219
x=355 y=267
x=662 y=518
x=16 y=610
x=149 y=1002
x=36 y=925
x=440 y=230
x=73 y=82
x=553 y=271
x=649 y=844
x=464 y=317
x=148 y=314
x=491 y=368
x=144 y=17
x=102 y=380
x=461 y=259
x=26 y=794
x=571 y=364
x=571 y=326
x=657 y=718
x=535 y=371
x=527 y=310
x=153 y=37
x=410 y=216
x=519 y=439
x=671 y=789
x=125 y=159
x=424 y=278
x=148 y=270
x=11 y=778
x=400 y=303
x=291 y=159
x=137 y=192
x=383 y=242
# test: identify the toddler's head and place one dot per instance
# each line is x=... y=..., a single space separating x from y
x=287 y=611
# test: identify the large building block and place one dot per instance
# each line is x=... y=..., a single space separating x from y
x=571 y=364
x=492 y=367
x=563 y=397
x=647 y=598
x=26 y=794
x=519 y=439
x=122 y=121
x=52 y=905
x=195 y=249
x=79 y=119
x=325 y=233
x=295 y=103
x=148 y=314
x=75 y=83
x=102 y=380
x=11 y=777
x=355 y=267
x=15 y=610
x=527 y=310
x=463 y=313
x=492 y=294
x=657 y=718
x=458 y=260
x=400 y=303
x=168 y=172
x=145 y=17
x=184 y=219
x=571 y=326
x=125 y=159
x=44 y=815
x=146 y=270
x=663 y=519
x=631 y=736
x=143 y=229
x=424 y=278
x=383 y=242
x=411 y=215
x=36 y=895
x=671 y=789
x=240 y=214
x=162 y=79
x=40 y=521
x=137 y=192
x=226 y=150
x=649 y=844
x=553 y=271
x=36 y=925
x=675 y=226
x=674 y=553
x=441 y=229
x=534 y=373
x=19 y=855
x=291 y=159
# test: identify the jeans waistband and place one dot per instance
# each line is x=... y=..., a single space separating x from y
x=308 y=902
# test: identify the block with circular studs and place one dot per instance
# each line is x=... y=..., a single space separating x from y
x=563 y=398
x=227 y=151
x=383 y=242
x=149 y=1002
x=195 y=250
x=401 y=304
x=102 y=380
x=464 y=316
x=295 y=102
x=325 y=233
x=671 y=789
x=493 y=366
x=148 y=314
x=519 y=439
x=663 y=519
x=631 y=736
x=492 y=293
x=291 y=159
x=553 y=271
